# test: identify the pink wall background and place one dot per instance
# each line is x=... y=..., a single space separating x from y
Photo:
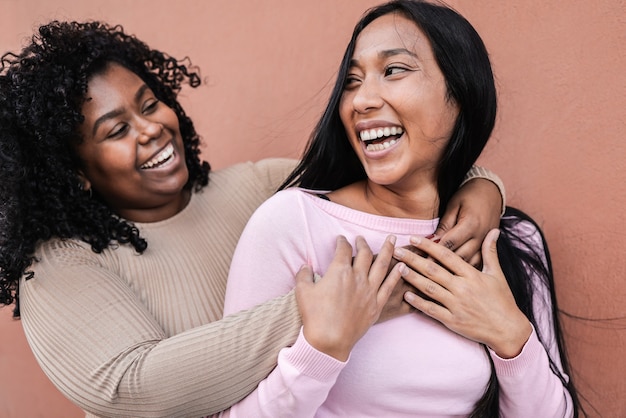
x=558 y=145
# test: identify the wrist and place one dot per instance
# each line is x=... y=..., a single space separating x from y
x=324 y=343
x=512 y=342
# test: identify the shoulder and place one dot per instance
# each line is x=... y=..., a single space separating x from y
x=61 y=264
x=286 y=201
x=275 y=168
x=266 y=174
x=285 y=210
x=64 y=252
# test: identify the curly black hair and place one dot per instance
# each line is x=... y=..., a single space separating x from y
x=42 y=90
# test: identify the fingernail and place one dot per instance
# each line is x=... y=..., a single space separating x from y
x=399 y=252
x=415 y=240
x=403 y=269
x=431 y=236
x=392 y=239
x=437 y=240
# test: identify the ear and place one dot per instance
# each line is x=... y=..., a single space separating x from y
x=84 y=181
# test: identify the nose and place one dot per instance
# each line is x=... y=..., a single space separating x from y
x=148 y=130
x=367 y=96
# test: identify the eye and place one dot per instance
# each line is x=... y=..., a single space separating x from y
x=352 y=80
x=119 y=130
x=395 y=69
x=150 y=105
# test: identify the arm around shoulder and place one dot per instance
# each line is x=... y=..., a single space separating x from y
x=101 y=346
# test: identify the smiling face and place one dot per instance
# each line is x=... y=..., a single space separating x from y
x=395 y=107
x=132 y=149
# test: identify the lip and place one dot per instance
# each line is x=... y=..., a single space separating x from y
x=164 y=148
x=380 y=153
x=384 y=150
x=371 y=124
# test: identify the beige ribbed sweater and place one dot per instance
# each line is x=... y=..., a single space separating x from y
x=128 y=335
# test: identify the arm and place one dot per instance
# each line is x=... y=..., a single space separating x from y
x=98 y=343
x=517 y=382
x=480 y=306
x=472 y=212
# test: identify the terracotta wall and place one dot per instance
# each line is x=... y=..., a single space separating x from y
x=559 y=142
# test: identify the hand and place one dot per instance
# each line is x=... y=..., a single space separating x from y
x=477 y=305
x=396 y=305
x=471 y=213
x=339 y=309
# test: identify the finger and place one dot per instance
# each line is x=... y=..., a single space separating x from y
x=470 y=251
x=442 y=255
x=490 y=254
x=304 y=280
x=477 y=261
x=343 y=251
x=381 y=264
x=363 y=258
x=389 y=284
x=459 y=234
x=425 y=275
x=304 y=276
x=447 y=221
x=432 y=309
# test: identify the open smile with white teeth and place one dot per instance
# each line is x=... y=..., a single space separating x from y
x=377 y=139
x=160 y=159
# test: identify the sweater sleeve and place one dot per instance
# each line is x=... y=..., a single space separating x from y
x=528 y=386
x=98 y=343
x=296 y=388
x=478 y=172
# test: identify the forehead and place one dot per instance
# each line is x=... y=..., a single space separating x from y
x=391 y=31
x=115 y=79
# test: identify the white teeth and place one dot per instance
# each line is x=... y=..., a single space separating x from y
x=160 y=158
x=381 y=146
x=372 y=134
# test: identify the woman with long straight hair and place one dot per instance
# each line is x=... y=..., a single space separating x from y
x=413 y=107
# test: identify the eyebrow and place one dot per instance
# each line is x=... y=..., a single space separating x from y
x=116 y=112
x=389 y=53
x=398 y=51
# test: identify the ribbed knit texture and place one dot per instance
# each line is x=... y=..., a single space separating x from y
x=481 y=172
x=122 y=334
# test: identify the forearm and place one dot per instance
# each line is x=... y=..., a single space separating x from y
x=296 y=388
x=528 y=387
x=112 y=359
x=478 y=172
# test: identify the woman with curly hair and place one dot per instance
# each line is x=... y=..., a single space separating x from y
x=116 y=239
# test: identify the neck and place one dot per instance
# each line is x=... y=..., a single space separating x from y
x=416 y=202
x=157 y=214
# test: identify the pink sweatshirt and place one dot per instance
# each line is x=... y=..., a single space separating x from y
x=411 y=366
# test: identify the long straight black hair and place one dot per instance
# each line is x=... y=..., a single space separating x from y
x=329 y=162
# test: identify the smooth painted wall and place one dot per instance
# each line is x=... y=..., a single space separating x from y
x=558 y=144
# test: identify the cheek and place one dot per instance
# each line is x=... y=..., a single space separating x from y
x=345 y=110
x=169 y=117
x=450 y=116
x=113 y=160
x=345 y=114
